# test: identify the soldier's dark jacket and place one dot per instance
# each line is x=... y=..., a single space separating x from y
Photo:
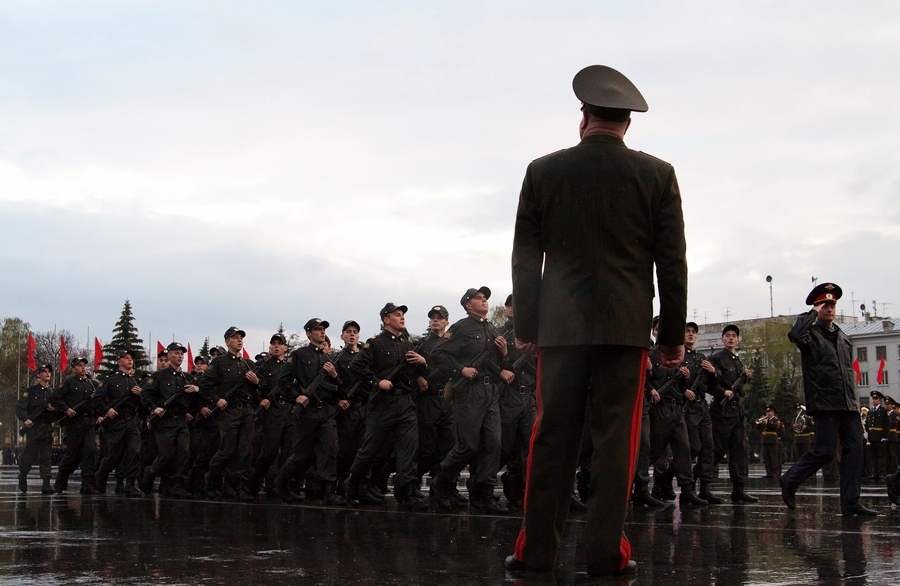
x=33 y=401
x=878 y=423
x=164 y=384
x=348 y=381
x=223 y=374
x=826 y=356
x=379 y=355
x=707 y=379
x=435 y=377
x=729 y=369
x=658 y=376
x=75 y=391
x=269 y=370
x=301 y=369
x=116 y=387
x=526 y=372
x=464 y=342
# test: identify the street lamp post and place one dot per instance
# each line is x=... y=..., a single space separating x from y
x=771 y=305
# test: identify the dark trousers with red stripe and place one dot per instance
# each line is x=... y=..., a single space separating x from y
x=609 y=381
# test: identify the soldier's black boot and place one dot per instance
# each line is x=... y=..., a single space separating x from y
x=23 y=483
x=441 y=493
x=351 y=488
x=369 y=495
x=87 y=486
x=484 y=502
x=269 y=487
x=282 y=490
x=100 y=480
x=242 y=492
x=129 y=488
x=330 y=497
x=707 y=495
x=407 y=500
x=212 y=483
x=120 y=486
x=46 y=488
x=662 y=485
x=146 y=484
x=229 y=489
x=642 y=498
x=739 y=496
x=61 y=484
x=688 y=499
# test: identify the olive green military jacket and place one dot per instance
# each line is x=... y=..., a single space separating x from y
x=592 y=222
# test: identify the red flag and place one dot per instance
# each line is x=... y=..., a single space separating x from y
x=98 y=354
x=880 y=377
x=247 y=356
x=159 y=348
x=856 y=370
x=31 y=349
x=63 y=355
x=190 y=358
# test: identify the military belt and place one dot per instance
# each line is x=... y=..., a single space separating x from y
x=806 y=434
x=770 y=433
x=487 y=380
x=876 y=429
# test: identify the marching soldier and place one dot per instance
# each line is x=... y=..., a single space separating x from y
x=727 y=414
x=35 y=414
x=231 y=386
x=893 y=447
x=275 y=425
x=351 y=422
x=165 y=396
x=389 y=364
x=437 y=422
x=701 y=377
x=770 y=426
x=74 y=399
x=475 y=350
x=310 y=381
x=117 y=403
x=878 y=427
x=204 y=433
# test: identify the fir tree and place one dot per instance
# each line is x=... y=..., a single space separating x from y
x=125 y=337
x=204 y=350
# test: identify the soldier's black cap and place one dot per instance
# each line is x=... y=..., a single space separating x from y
x=261 y=356
x=772 y=409
x=278 y=338
x=508 y=302
x=218 y=350
x=79 y=359
x=692 y=324
x=175 y=346
x=349 y=323
x=391 y=307
x=889 y=400
x=439 y=310
x=876 y=395
x=123 y=353
x=43 y=367
x=731 y=328
x=824 y=293
x=164 y=352
x=604 y=87
x=199 y=359
x=234 y=330
x=315 y=323
x=470 y=293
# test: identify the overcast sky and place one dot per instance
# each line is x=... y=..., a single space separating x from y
x=235 y=163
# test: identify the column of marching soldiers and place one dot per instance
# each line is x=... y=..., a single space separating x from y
x=334 y=426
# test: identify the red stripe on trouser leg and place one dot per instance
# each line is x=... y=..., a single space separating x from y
x=520 y=540
x=635 y=442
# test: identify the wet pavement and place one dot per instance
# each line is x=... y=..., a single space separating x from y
x=67 y=539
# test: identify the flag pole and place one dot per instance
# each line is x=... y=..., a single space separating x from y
x=18 y=381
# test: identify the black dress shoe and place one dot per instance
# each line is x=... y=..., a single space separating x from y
x=858 y=509
x=787 y=495
x=515 y=564
x=739 y=496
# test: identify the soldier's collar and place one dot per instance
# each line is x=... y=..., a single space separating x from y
x=477 y=318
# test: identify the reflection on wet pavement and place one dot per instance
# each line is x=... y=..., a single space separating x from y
x=113 y=540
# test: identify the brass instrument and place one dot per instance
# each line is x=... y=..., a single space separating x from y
x=761 y=419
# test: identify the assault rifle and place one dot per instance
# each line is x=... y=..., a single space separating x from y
x=154 y=417
x=670 y=386
x=310 y=391
x=125 y=398
x=232 y=390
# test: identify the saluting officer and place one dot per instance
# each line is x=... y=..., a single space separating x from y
x=729 y=420
x=390 y=366
x=170 y=422
x=117 y=403
x=315 y=432
x=231 y=387
x=475 y=350
x=73 y=399
x=35 y=414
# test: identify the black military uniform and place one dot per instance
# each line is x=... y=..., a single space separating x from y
x=667 y=427
x=437 y=421
x=351 y=422
x=227 y=374
x=518 y=410
x=315 y=431
x=123 y=432
x=166 y=390
x=893 y=447
x=728 y=418
x=476 y=403
x=274 y=426
x=383 y=357
x=204 y=436
x=771 y=429
x=878 y=426
x=75 y=393
x=828 y=385
x=699 y=422
x=32 y=406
